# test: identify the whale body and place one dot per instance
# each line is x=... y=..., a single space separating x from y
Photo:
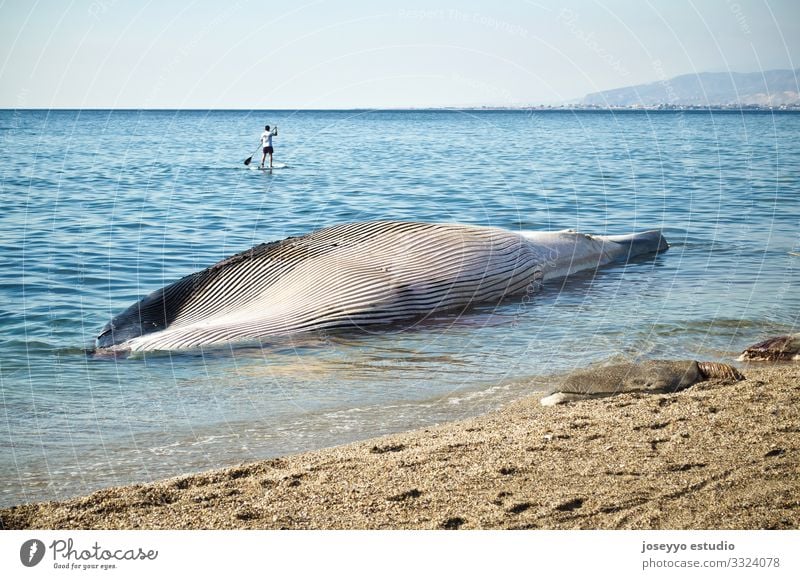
x=358 y=274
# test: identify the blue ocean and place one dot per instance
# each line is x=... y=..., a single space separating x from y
x=99 y=208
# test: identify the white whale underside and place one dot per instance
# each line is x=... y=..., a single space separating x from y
x=356 y=275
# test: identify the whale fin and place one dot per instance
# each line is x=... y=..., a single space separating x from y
x=640 y=243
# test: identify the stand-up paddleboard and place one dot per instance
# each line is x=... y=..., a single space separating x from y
x=268 y=168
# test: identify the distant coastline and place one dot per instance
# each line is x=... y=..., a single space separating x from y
x=632 y=108
x=771 y=89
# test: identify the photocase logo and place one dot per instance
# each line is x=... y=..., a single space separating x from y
x=31 y=552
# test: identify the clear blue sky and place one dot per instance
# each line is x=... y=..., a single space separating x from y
x=349 y=53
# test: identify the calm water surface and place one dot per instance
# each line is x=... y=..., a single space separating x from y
x=100 y=208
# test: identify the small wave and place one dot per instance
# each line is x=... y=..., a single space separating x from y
x=715 y=326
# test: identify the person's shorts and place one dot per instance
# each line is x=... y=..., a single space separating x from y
x=268 y=150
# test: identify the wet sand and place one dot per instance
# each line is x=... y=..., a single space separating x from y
x=719 y=455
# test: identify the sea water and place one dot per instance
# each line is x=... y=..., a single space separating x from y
x=100 y=208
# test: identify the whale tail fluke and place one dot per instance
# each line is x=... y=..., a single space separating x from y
x=643 y=243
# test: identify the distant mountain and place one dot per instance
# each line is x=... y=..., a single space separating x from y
x=768 y=88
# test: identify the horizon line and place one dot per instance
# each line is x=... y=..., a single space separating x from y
x=487 y=108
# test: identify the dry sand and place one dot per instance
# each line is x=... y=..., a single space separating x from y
x=716 y=456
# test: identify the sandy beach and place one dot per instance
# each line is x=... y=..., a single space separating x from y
x=719 y=455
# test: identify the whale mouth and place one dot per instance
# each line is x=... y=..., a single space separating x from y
x=100 y=338
x=110 y=337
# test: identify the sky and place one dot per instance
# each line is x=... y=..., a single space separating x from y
x=329 y=54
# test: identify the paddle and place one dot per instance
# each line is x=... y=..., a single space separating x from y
x=250 y=158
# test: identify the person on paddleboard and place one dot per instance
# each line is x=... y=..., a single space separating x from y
x=266 y=144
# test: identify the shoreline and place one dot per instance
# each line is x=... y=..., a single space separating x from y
x=718 y=455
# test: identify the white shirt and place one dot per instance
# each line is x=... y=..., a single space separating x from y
x=266 y=138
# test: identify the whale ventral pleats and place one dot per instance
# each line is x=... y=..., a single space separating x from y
x=356 y=275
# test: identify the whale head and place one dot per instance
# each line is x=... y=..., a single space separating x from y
x=131 y=323
x=151 y=314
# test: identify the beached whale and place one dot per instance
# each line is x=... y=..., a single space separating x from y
x=359 y=274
